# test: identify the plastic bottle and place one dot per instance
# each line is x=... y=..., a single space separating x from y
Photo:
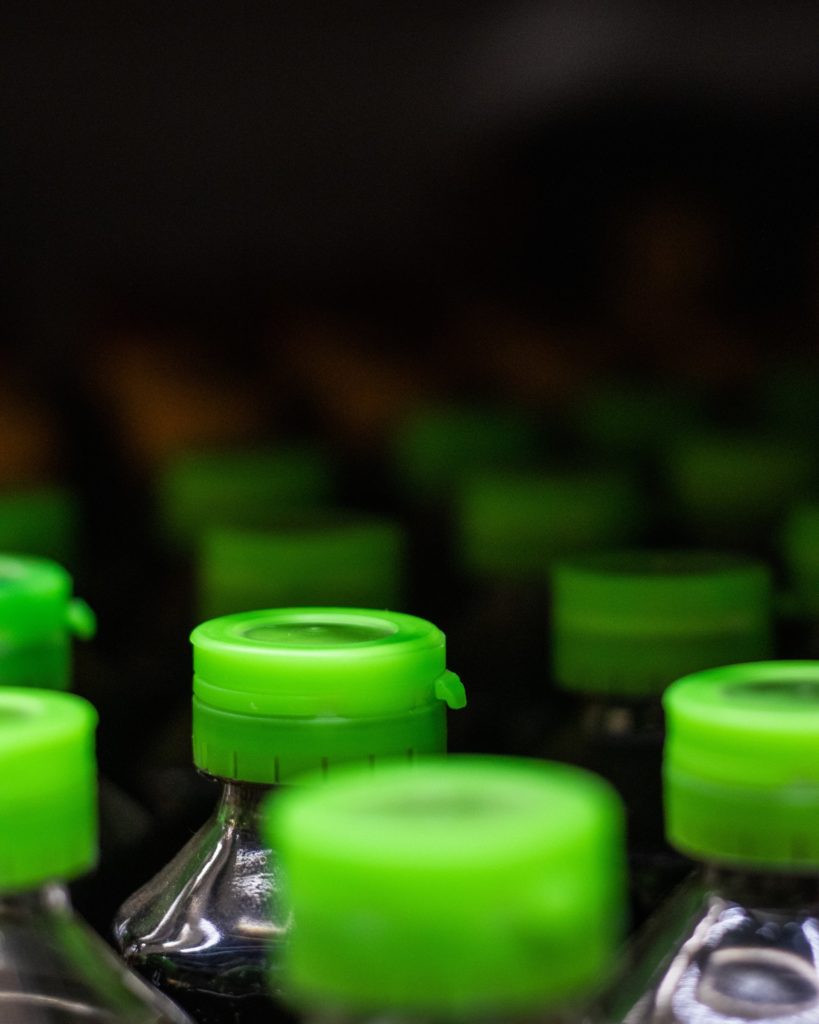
x=509 y=530
x=625 y=625
x=53 y=968
x=739 y=942
x=276 y=694
x=196 y=492
x=315 y=558
x=468 y=889
x=38 y=618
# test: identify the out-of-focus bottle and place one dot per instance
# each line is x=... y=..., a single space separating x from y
x=199 y=490
x=633 y=421
x=733 y=488
x=509 y=530
x=53 y=968
x=39 y=616
x=276 y=694
x=738 y=942
x=42 y=521
x=460 y=890
x=328 y=558
x=625 y=625
x=432 y=452
x=799 y=551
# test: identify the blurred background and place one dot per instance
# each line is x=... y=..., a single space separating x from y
x=588 y=230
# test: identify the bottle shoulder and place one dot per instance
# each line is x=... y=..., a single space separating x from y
x=54 y=968
x=708 y=959
x=210 y=912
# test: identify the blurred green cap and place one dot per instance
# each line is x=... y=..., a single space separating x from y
x=436 y=447
x=623 y=418
x=628 y=623
x=289 y=690
x=799 y=546
x=318 y=560
x=43 y=522
x=472 y=885
x=515 y=525
x=38 y=616
x=48 y=800
x=243 y=488
x=741 y=770
x=734 y=488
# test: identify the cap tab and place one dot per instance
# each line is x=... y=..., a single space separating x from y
x=450 y=689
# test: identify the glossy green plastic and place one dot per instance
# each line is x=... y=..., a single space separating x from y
x=289 y=690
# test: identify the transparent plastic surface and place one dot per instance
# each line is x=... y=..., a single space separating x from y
x=729 y=946
x=205 y=928
x=623 y=741
x=55 y=970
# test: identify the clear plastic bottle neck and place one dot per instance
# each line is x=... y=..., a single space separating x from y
x=241 y=804
x=764 y=889
x=49 y=898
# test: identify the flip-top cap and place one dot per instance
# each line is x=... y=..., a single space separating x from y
x=741 y=771
x=462 y=886
x=289 y=690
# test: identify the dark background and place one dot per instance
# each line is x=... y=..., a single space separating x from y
x=217 y=163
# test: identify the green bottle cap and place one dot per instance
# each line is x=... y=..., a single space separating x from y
x=48 y=800
x=281 y=692
x=319 y=560
x=627 y=419
x=38 y=615
x=42 y=522
x=734 y=487
x=515 y=525
x=435 y=448
x=249 y=488
x=629 y=623
x=468 y=885
x=741 y=771
x=799 y=546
